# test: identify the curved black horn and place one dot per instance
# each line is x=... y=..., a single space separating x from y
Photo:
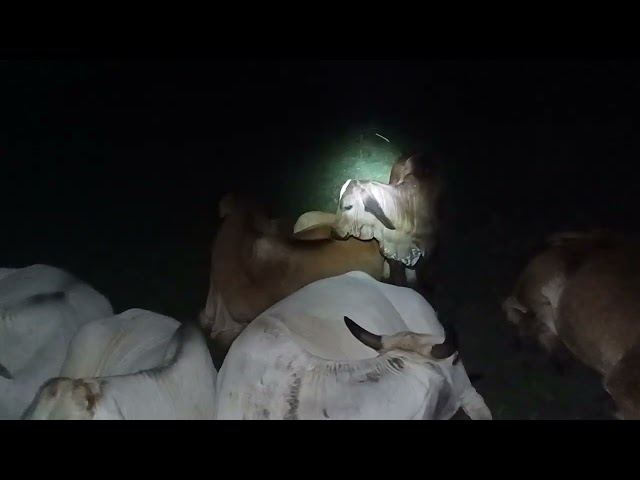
x=450 y=344
x=371 y=340
x=5 y=373
x=372 y=206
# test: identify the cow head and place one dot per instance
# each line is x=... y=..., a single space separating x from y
x=359 y=213
x=421 y=344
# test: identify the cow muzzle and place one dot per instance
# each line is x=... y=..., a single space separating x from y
x=337 y=236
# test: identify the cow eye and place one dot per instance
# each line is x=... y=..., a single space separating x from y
x=348 y=207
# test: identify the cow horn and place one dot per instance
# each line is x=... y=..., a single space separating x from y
x=449 y=346
x=371 y=340
x=5 y=373
x=372 y=206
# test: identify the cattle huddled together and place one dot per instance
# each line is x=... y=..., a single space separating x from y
x=326 y=317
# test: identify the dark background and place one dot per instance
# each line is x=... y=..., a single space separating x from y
x=113 y=169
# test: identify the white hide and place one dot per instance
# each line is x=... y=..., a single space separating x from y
x=41 y=308
x=149 y=368
x=126 y=343
x=298 y=359
x=405 y=206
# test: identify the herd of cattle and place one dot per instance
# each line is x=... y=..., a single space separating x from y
x=327 y=317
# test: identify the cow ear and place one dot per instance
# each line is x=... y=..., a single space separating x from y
x=372 y=206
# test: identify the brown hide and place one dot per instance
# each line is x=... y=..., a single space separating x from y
x=599 y=320
x=256 y=263
x=410 y=173
x=597 y=317
x=531 y=305
x=431 y=187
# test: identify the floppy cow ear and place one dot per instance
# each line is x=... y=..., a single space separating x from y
x=372 y=206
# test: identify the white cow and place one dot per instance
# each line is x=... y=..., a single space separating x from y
x=138 y=365
x=403 y=215
x=304 y=358
x=41 y=308
x=121 y=344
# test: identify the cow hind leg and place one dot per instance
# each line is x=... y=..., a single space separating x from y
x=623 y=386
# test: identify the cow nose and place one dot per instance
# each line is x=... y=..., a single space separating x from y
x=336 y=236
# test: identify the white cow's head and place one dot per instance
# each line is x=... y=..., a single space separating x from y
x=369 y=209
x=419 y=349
x=360 y=213
x=420 y=344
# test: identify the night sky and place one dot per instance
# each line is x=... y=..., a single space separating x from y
x=113 y=169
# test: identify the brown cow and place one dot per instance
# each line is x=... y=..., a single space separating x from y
x=588 y=297
x=257 y=261
x=599 y=321
x=533 y=303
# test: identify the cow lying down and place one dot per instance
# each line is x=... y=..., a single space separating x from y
x=315 y=224
x=256 y=262
x=346 y=347
x=138 y=365
x=41 y=308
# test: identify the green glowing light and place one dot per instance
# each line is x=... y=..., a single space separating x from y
x=364 y=154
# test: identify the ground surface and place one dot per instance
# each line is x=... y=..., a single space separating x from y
x=134 y=212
